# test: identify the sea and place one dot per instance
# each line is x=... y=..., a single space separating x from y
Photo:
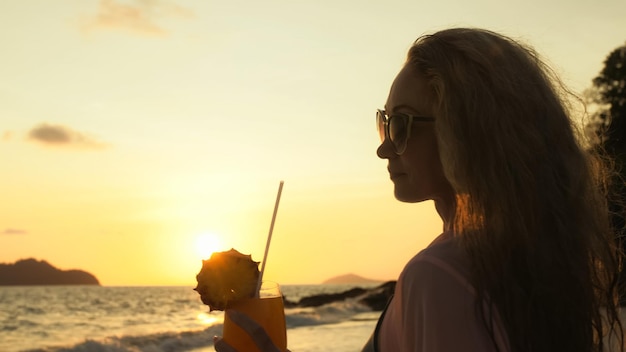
x=161 y=319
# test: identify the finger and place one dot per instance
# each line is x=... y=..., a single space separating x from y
x=256 y=331
x=221 y=346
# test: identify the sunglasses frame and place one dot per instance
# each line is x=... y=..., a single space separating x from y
x=381 y=115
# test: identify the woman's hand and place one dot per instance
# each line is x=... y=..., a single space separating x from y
x=252 y=328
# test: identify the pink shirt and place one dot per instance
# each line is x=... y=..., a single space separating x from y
x=434 y=307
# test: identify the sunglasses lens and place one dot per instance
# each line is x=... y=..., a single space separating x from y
x=380 y=125
x=398 y=131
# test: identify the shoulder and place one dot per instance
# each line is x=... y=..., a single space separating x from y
x=433 y=301
x=441 y=266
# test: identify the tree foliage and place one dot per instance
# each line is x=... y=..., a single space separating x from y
x=610 y=87
x=609 y=126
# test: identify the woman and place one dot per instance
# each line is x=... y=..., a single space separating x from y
x=475 y=122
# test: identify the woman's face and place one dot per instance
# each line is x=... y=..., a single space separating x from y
x=417 y=173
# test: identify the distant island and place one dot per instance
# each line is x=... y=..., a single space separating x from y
x=351 y=279
x=34 y=272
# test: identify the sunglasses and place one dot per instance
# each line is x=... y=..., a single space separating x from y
x=397 y=128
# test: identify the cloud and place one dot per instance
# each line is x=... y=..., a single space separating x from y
x=11 y=231
x=57 y=135
x=6 y=136
x=138 y=16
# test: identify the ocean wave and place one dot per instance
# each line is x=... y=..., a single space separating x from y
x=331 y=313
x=197 y=339
x=161 y=342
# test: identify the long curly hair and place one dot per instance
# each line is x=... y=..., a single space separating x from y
x=531 y=210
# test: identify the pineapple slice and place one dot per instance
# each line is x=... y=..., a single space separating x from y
x=227 y=277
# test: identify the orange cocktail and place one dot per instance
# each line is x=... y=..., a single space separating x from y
x=267 y=310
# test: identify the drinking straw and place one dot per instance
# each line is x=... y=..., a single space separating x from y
x=269 y=238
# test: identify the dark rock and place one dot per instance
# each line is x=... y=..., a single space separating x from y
x=289 y=304
x=318 y=300
x=33 y=272
x=376 y=298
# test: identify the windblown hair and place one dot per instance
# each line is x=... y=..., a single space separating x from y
x=531 y=210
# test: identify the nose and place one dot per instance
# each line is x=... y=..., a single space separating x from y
x=385 y=150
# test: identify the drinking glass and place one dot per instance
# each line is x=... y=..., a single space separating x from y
x=267 y=310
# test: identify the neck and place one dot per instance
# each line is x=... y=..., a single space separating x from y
x=446 y=208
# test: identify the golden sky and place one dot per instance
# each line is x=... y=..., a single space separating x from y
x=134 y=134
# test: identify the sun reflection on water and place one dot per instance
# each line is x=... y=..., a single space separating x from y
x=208 y=319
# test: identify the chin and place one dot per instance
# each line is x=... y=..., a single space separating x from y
x=407 y=197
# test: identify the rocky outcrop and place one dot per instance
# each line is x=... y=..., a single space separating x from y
x=376 y=298
x=321 y=299
x=33 y=272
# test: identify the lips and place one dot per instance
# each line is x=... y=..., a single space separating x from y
x=395 y=174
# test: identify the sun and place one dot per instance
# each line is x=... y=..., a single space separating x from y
x=206 y=244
